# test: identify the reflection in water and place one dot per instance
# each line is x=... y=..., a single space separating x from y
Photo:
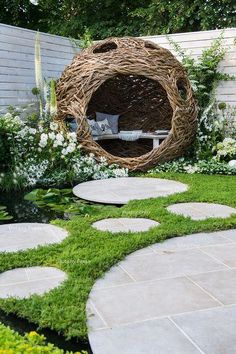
x=26 y=211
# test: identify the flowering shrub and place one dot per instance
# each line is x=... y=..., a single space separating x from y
x=226 y=149
x=40 y=154
x=9 y=124
x=182 y=165
x=213 y=120
x=11 y=342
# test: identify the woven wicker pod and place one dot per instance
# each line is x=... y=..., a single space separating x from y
x=143 y=83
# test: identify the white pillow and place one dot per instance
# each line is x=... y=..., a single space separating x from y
x=95 y=128
x=99 y=128
x=112 y=120
x=104 y=127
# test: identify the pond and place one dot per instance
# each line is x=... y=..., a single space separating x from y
x=26 y=211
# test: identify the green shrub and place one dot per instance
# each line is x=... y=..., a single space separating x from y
x=12 y=343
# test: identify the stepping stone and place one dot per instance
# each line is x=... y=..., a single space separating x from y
x=23 y=236
x=125 y=224
x=202 y=211
x=157 y=297
x=24 y=282
x=122 y=190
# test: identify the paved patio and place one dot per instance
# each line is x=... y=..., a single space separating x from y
x=176 y=297
x=122 y=190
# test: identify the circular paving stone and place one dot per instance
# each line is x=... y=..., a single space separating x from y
x=24 y=282
x=202 y=211
x=122 y=190
x=21 y=236
x=125 y=224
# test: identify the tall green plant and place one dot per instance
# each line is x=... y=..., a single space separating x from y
x=53 y=98
x=44 y=90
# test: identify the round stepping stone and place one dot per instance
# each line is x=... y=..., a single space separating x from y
x=202 y=211
x=125 y=224
x=22 y=236
x=24 y=282
x=122 y=190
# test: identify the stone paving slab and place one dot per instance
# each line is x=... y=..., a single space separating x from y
x=23 y=236
x=224 y=253
x=122 y=190
x=133 y=309
x=202 y=211
x=196 y=240
x=115 y=225
x=116 y=276
x=149 y=337
x=166 y=264
x=220 y=284
x=212 y=330
x=141 y=301
x=24 y=282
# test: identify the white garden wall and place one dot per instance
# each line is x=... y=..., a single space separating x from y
x=17 y=60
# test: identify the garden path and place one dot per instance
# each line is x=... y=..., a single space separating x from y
x=175 y=297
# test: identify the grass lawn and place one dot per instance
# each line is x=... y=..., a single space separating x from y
x=87 y=253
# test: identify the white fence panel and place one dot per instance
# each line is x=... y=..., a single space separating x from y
x=195 y=42
x=17 y=76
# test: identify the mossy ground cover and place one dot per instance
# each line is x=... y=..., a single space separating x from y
x=87 y=253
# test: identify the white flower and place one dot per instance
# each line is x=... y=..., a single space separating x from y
x=60 y=137
x=191 y=169
x=64 y=152
x=34 y=2
x=32 y=131
x=72 y=137
x=229 y=140
x=43 y=140
x=52 y=136
x=53 y=126
x=70 y=148
x=232 y=163
x=8 y=115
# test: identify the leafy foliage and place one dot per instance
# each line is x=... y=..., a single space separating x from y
x=107 y=18
x=32 y=342
x=204 y=76
x=4 y=214
x=63 y=200
x=163 y=16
